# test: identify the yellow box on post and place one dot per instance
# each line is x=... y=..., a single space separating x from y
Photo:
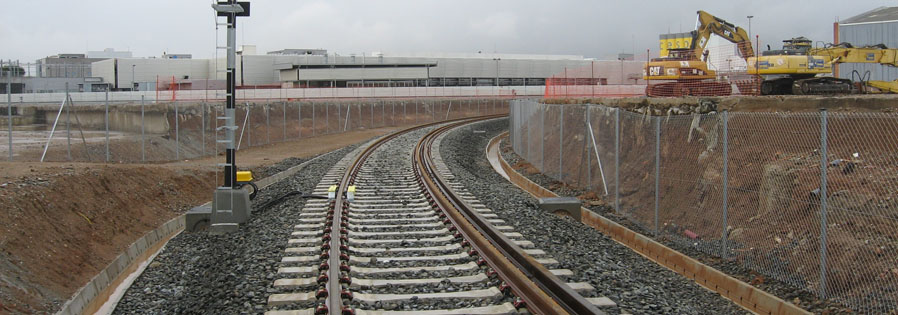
x=244 y=177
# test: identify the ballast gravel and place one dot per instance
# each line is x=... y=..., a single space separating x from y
x=227 y=274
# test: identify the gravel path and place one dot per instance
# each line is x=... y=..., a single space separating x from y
x=226 y=274
x=638 y=285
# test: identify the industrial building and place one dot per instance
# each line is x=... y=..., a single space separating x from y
x=877 y=26
x=316 y=68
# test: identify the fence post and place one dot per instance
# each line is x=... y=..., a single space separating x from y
x=657 y=170
x=68 y=122
x=299 y=117
x=284 y=125
x=543 y=108
x=823 y=164
x=530 y=124
x=177 y=135
x=268 y=122
x=313 y=119
x=617 y=159
x=106 y=122
x=372 y=115
x=327 y=117
x=723 y=250
x=143 y=137
x=203 y=132
x=588 y=158
x=560 y=143
x=9 y=106
x=248 y=126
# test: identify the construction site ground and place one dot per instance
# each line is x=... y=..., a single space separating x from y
x=64 y=222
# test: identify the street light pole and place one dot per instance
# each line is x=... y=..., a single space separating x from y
x=749 y=30
x=497 y=74
x=133 y=86
x=621 y=70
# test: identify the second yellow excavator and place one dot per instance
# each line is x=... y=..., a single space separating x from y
x=801 y=69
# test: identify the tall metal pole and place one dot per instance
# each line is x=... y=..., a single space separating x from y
x=230 y=170
x=749 y=29
x=132 y=77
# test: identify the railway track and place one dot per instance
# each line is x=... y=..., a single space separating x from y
x=400 y=236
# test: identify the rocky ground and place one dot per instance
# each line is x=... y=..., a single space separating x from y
x=636 y=284
x=226 y=274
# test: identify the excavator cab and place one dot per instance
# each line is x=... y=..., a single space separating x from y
x=791 y=47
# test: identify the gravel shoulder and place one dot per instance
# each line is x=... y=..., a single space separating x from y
x=227 y=274
x=638 y=285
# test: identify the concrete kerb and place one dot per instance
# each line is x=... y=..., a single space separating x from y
x=741 y=293
x=113 y=273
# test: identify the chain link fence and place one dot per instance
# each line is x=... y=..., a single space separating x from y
x=146 y=132
x=810 y=199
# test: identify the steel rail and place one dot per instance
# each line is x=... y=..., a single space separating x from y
x=543 y=292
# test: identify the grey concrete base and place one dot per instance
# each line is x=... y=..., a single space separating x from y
x=198 y=218
x=569 y=205
x=229 y=206
x=223 y=228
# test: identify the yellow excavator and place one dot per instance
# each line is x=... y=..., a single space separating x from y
x=685 y=70
x=801 y=69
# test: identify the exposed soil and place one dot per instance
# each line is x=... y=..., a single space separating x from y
x=64 y=222
x=773 y=223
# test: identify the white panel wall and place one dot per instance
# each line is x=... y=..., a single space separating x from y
x=367 y=74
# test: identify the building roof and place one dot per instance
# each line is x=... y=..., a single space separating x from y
x=878 y=15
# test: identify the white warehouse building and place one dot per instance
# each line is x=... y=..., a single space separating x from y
x=315 y=68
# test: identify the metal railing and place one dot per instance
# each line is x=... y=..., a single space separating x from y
x=810 y=199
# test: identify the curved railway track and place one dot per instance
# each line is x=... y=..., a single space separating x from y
x=410 y=239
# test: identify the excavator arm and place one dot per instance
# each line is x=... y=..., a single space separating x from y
x=844 y=53
x=879 y=54
x=709 y=24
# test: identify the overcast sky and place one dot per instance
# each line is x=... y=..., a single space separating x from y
x=37 y=28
